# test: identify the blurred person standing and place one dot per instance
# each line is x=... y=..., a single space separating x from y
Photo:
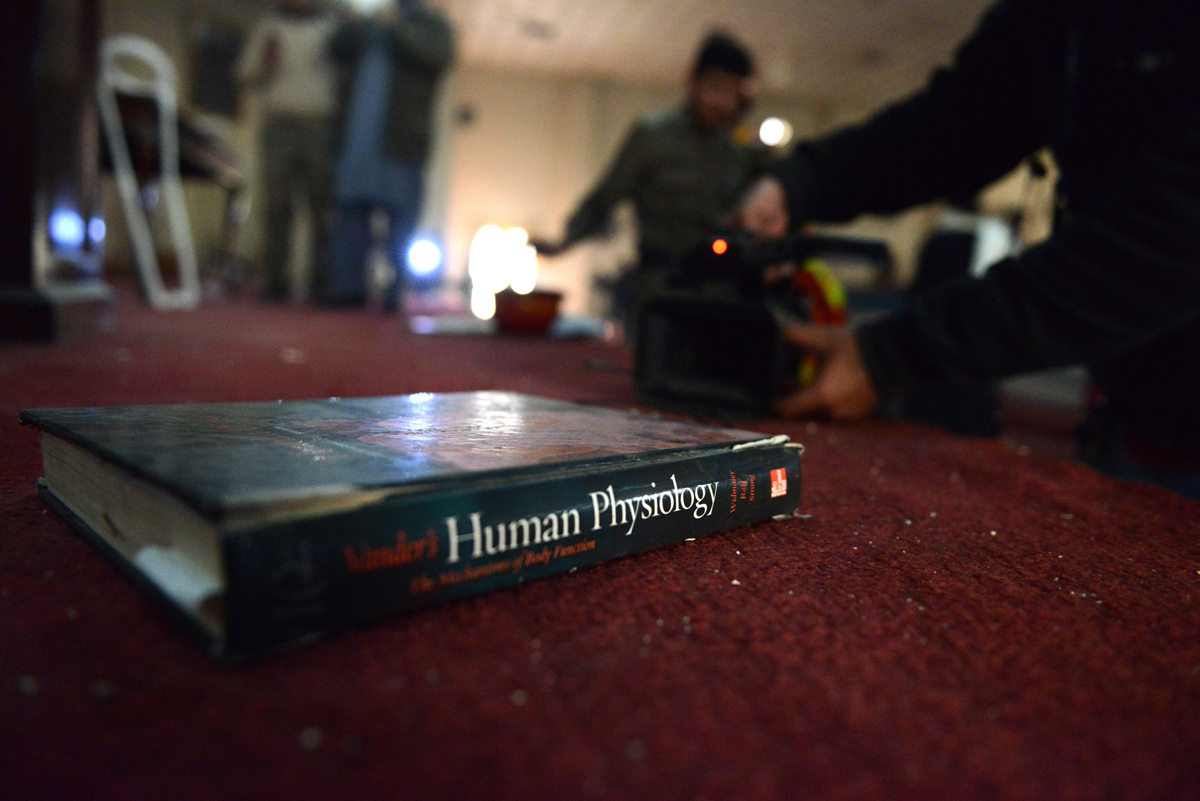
x=681 y=169
x=389 y=67
x=286 y=60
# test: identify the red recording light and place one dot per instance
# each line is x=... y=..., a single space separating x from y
x=720 y=246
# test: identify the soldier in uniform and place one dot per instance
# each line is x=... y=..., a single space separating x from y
x=681 y=169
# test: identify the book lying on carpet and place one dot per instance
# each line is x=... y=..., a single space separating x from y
x=265 y=525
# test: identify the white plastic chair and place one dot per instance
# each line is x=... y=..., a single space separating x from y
x=114 y=77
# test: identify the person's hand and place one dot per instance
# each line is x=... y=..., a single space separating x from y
x=778 y=273
x=764 y=209
x=843 y=389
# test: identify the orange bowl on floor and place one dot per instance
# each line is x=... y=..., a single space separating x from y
x=533 y=313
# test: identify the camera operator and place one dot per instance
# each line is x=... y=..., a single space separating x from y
x=1113 y=88
x=681 y=169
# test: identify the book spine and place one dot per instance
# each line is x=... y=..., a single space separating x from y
x=294 y=581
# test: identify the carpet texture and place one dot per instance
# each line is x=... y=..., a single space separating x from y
x=956 y=618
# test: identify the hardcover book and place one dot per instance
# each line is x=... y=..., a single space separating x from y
x=267 y=525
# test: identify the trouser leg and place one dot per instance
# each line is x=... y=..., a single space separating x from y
x=318 y=189
x=277 y=159
x=402 y=225
x=349 y=245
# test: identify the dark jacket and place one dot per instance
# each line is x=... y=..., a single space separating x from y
x=683 y=183
x=1113 y=88
x=421 y=45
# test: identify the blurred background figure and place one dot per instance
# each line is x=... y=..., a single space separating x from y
x=287 y=60
x=681 y=169
x=389 y=66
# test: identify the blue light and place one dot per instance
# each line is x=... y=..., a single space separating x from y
x=97 y=230
x=424 y=257
x=66 y=228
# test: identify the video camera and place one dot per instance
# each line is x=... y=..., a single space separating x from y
x=712 y=341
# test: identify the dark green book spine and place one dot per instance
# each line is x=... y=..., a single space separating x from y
x=296 y=581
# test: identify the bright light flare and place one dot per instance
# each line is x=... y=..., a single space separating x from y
x=775 y=132
x=66 y=228
x=97 y=230
x=499 y=259
x=523 y=277
x=483 y=303
x=485 y=260
x=368 y=7
x=720 y=247
x=424 y=257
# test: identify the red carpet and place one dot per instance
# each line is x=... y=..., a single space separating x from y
x=955 y=619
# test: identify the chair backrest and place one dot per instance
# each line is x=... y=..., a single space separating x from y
x=116 y=55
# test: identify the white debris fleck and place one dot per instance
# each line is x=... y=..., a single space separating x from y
x=291 y=356
x=736 y=583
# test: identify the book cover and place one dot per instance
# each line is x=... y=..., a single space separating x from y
x=266 y=525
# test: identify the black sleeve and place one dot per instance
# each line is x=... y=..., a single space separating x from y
x=346 y=42
x=424 y=39
x=1109 y=279
x=971 y=124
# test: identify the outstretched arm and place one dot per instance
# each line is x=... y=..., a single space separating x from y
x=592 y=215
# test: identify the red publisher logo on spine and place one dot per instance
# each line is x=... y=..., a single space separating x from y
x=778 y=482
